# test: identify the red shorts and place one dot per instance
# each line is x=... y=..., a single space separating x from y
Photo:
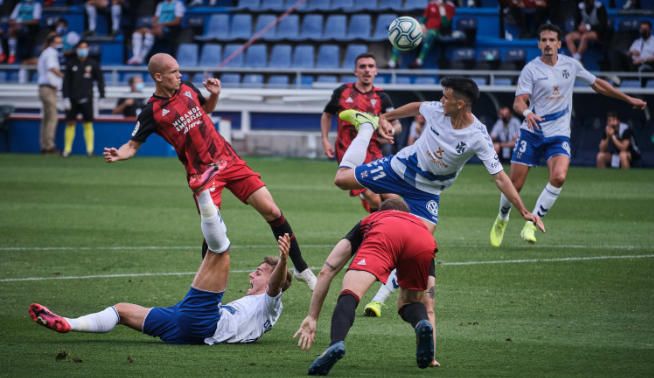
x=239 y=178
x=412 y=257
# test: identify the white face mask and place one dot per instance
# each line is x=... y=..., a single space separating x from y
x=140 y=86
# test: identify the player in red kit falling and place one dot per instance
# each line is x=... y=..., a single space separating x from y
x=363 y=96
x=179 y=113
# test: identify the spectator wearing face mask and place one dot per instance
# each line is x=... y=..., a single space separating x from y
x=130 y=106
x=70 y=38
x=81 y=72
x=504 y=133
x=642 y=50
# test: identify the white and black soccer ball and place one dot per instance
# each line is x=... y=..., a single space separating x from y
x=405 y=33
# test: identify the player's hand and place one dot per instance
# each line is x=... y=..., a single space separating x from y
x=532 y=120
x=327 y=148
x=637 y=103
x=284 y=244
x=110 y=154
x=386 y=130
x=307 y=333
x=213 y=86
x=535 y=219
x=609 y=131
x=434 y=363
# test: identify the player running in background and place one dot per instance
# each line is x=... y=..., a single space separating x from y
x=420 y=172
x=363 y=96
x=544 y=98
x=387 y=239
x=180 y=114
x=199 y=318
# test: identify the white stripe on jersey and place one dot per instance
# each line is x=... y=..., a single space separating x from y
x=435 y=160
x=550 y=91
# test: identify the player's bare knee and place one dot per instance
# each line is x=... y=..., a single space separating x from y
x=558 y=180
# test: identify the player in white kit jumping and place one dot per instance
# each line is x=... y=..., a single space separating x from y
x=544 y=98
x=200 y=318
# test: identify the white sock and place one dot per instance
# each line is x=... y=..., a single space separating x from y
x=356 y=153
x=92 y=15
x=505 y=208
x=148 y=41
x=212 y=225
x=546 y=199
x=387 y=289
x=116 y=11
x=137 y=44
x=100 y=322
x=12 y=46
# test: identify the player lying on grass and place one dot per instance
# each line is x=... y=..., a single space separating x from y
x=180 y=114
x=387 y=239
x=199 y=318
x=421 y=171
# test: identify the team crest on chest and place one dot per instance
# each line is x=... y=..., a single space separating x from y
x=164 y=112
x=566 y=74
x=461 y=147
x=349 y=100
x=188 y=94
x=373 y=102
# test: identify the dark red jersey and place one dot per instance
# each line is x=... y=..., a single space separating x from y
x=182 y=122
x=347 y=96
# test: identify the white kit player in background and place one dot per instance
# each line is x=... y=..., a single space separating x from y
x=544 y=98
x=419 y=172
x=199 y=318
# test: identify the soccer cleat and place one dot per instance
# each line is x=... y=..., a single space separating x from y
x=306 y=276
x=43 y=316
x=199 y=182
x=424 y=343
x=324 y=363
x=373 y=309
x=528 y=232
x=357 y=118
x=497 y=231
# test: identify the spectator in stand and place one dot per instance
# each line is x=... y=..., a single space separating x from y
x=642 y=50
x=592 y=25
x=165 y=26
x=50 y=77
x=70 y=38
x=93 y=6
x=416 y=128
x=504 y=133
x=130 y=106
x=436 y=21
x=617 y=146
x=23 y=26
x=527 y=15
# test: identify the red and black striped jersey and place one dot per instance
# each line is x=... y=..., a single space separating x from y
x=347 y=96
x=183 y=123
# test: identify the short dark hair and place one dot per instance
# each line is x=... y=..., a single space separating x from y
x=50 y=38
x=550 y=27
x=395 y=203
x=62 y=20
x=81 y=41
x=462 y=87
x=132 y=79
x=646 y=22
x=364 y=55
x=273 y=261
x=612 y=115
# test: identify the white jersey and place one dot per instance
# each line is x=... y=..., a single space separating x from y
x=245 y=320
x=550 y=92
x=435 y=160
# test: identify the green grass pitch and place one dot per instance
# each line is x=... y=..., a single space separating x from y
x=78 y=234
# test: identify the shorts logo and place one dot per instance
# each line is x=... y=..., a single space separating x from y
x=362 y=262
x=432 y=207
x=566 y=147
x=136 y=128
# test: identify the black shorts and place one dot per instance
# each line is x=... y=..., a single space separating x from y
x=84 y=108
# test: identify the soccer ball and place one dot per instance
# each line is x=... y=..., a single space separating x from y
x=405 y=33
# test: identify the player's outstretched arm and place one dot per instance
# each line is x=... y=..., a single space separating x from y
x=505 y=185
x=336 y=260
x=126 y=151
x=278 y=276
x=603 y=87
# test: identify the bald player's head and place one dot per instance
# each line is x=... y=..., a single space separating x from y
x=159 y=62
x=164 y=69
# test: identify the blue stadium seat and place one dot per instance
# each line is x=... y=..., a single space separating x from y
x=252 y=81
x=628 y=83
x=335 y=28
x=348 y=79
x=280 y=56
x=262 y=22
x=230 y=79
x=359 y=27
x=467 y=25
x=278 y=81
x=386 y=5
x=381 y=26
x=359 y=6
x=488 y=58
x=187 y=55
x=513 y=58
x=425 y=80
x=328 y=56
x=462 y=58
x=211 y=55
x=352 y=51
x=273 y=5
x=237 y=60
x=303 y=56
x=255 y=56
x=217 y=28
x=403 y=79
x=342 y=5
x=315 y=6
x=479 y=80
x=249 y=5
x=415 y=5
x=503 y=81
x=241 y=27
x=327 y=79
x=312 y=27
x=288 y=28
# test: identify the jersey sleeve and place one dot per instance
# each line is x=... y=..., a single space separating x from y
x=333 y=106
x=144 y=125
x=273 y=305
x=583 y=74
x=525 y=82
x=196 y=90
x=427 y=107
x=386 y=102
x=486 y=153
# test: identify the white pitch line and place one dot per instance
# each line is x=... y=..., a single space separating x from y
x=441 y=263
